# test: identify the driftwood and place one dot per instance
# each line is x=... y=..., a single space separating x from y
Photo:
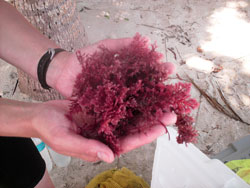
x=59 y=21
x=214 y=103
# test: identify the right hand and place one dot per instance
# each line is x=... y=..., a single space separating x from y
x=52 y=126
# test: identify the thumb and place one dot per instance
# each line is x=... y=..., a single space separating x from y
x=136 y=140
x=87 y=149
x=168 y=119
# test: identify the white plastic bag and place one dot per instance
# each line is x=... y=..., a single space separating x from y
x=180 y=166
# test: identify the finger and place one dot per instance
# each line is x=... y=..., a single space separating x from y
x=111 y=44
x=131 y=142
x=83 y=157
x=168 y=119
x=62 y=104
x=82 y=147
x=170 y=67
x=115 y=44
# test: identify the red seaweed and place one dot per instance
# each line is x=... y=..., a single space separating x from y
x=122 y=92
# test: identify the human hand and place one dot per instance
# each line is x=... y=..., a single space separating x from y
x=66 y=82
x=52 y=126
x=134 y=141
x=64 y=70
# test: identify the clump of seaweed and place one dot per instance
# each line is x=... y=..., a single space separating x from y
x=122 y=92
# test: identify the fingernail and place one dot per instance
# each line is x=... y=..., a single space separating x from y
x=103 y=156
x=169 y=119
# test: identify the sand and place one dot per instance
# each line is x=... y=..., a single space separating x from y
x=206 y=39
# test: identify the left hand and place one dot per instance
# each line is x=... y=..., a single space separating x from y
x=66 y=67
x=65 y=84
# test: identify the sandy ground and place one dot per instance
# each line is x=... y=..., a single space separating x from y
x=206 y=39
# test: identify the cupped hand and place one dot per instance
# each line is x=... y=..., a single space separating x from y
x=52 y=126
x=70 y=66
x=134 y=141
x=65 y=83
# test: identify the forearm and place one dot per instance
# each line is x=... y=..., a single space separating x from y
x=16 y=118
x=22 y=45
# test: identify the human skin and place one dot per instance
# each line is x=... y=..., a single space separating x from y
x=48 y=122
x=22 y=46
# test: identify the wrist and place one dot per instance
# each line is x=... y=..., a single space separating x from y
x=16 y=118
x=62 y=73
x=56 y=67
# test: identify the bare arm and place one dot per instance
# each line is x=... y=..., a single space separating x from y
x=22 y=45
x=48 y=122
x=15 y=118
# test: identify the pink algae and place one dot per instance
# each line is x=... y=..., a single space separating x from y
x=122 y=92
